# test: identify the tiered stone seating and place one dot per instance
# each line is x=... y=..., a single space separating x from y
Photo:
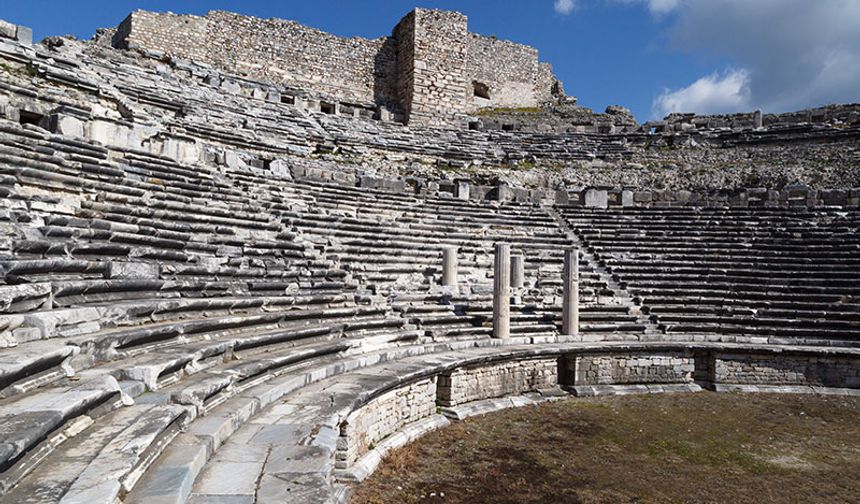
x=126 y=273
x=772 y=274
x=154 y=307
x=416 y=229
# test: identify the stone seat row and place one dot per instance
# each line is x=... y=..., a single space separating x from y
x=155 y=371
x=28 y=446
x=745 y=273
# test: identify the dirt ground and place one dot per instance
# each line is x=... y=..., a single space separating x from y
x=683 y=448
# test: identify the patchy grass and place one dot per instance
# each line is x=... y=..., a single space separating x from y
x=702 y=447
x=524 y=165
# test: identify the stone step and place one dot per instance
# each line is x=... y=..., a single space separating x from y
x=32 y=426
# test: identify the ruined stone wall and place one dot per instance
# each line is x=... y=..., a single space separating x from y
x=183 y=36
x=439 y=74
x=832 y=114
x=424 y=70
x=292 y=54
x=508 y=69
x=848 y=115
x=496 y=380
x=383 y=416
x=826 y=371
x=404 y=34
x=632 y=368
x=281 y=51
x=547 y=85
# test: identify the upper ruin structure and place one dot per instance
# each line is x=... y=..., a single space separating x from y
x=430 y=71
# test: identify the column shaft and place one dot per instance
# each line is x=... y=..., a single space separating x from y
x=570 y=303
x=502 y=292
x=449 y=266
x=518 y=271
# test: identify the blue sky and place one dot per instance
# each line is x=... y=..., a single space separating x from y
x=653 y=56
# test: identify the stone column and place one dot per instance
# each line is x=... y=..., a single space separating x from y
x=570 y=304
x=518 y=271
x=449 y=266
x=502 y=292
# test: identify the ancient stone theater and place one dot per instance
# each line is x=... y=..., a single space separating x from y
x=243 y=257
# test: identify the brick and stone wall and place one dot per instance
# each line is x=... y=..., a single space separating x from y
x=423 y=71
x=287 y=52
x=497 y=380
x=813 y=370
x=383 y=416
x=183 y=36
x=630 y=368
x=439 y=68
x=511 y=72
x=281 y=51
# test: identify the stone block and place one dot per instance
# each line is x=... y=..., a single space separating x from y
x=835 y=197
x=24 y=35
x=67 y=125
x=626 y=198
x=132 y=270
x=8 y=30
x=596 y=198
x=280 y=168
x=370 y=182
x=109 y=133
x=463 y=189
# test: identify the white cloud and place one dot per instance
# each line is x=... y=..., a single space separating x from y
x=795 y=53
x=662 y=6
x=712 y=94
x=656 y=7
x=564 y=7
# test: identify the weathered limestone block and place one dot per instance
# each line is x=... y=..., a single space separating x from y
x=25 y=297
x=117 y=269
x=63 y=124
x=281 y=169
x=114 y=472
x=626 y=198
x=596 y=198
x=181 y=150
x=109 y=133
x=24 y=34
x=463 y=189
x=60 y=323
x=8 y=30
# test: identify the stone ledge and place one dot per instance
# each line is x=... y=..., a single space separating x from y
x=607 y=390
x=784 y=389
